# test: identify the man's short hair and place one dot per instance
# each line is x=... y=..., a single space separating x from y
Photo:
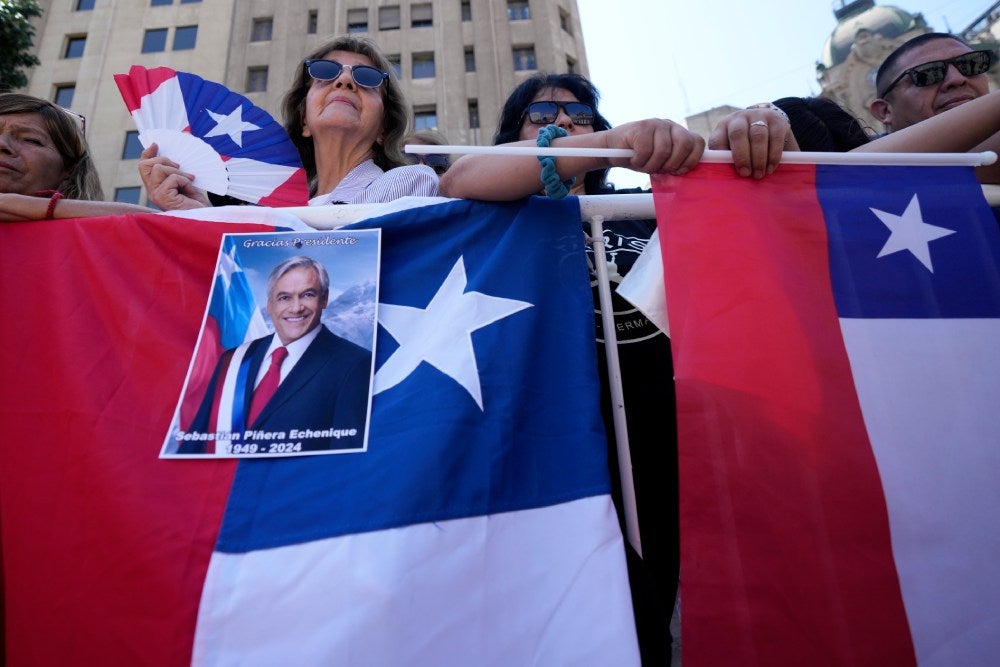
x=300 y=262
x=890 y=62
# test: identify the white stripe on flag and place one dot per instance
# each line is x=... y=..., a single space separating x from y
x=533 y=587
x=266 y=175
x=643 y=285
x=162 y=108
x=927 y=392
x=225 y=420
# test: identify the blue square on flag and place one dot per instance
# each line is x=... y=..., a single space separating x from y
x=893 y=229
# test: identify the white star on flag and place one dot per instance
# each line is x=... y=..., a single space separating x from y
x=910 y=232
x=441 y=333
x=231 y=125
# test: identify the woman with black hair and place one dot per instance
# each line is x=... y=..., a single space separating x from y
x=567 y=103
x=757 y=136
x=573 y=88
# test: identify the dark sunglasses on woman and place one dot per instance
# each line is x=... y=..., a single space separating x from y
x=439 y=163
x=545 y=113
x=363 y=75
x=928 y=74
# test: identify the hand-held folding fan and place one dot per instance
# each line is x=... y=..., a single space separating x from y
x=231 y=146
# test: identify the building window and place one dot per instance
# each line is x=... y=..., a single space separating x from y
x=130 y=195
x=425 y=118
x=421 y=16
x=396 y=65
x=64 y=95
x=388 y=18
x=185 y=37
x=154 y=3
x=74 y=47
x=84 y=5
x=470 y=59
x=423 y=65
x=154 y=40
x=524 y=58
x=132 y=147
x=313 y=23
x=570 y=65
x=261 y=30
x=256 y=79
x=518 y=10
x=466 y=10
x=357 y=20
x=473 y=114
x=564 y=20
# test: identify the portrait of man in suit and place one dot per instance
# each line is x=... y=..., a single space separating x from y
x=300 y=389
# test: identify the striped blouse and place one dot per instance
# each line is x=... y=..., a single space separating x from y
x=368 y=184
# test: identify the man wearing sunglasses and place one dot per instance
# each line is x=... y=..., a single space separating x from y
x=927 y=75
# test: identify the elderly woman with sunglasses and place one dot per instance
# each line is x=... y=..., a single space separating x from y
x=346 y=114
x=45 y=166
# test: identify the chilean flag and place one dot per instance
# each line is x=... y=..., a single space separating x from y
x=230 y=145
x=233 y=318
x=838 y=387
x=478 y=527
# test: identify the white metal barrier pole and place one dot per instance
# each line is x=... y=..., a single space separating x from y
x=629 y=507
x=788 y=157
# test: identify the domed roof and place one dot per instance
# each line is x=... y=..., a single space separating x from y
x=887 y=21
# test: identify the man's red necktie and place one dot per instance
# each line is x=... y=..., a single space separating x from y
x=268 y=385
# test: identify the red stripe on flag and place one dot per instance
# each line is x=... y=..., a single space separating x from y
x=140 y=82
x=207 y=356
x=104 y=546
x=294 y=191
x=786 y=557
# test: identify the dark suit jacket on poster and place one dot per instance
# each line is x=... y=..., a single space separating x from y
x=327 y=389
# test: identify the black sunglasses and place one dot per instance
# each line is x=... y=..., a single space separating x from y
x=545 y=113
x=439 y=163
x=927 y=74
x=363 y=75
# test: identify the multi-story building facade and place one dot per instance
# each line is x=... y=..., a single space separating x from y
x=457 y=59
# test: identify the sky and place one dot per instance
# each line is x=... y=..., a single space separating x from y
x=672 y=59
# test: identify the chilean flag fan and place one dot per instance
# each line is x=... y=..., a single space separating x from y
x=235 y=148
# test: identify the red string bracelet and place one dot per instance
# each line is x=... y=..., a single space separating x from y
x=54 y=197
x=50 y=211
